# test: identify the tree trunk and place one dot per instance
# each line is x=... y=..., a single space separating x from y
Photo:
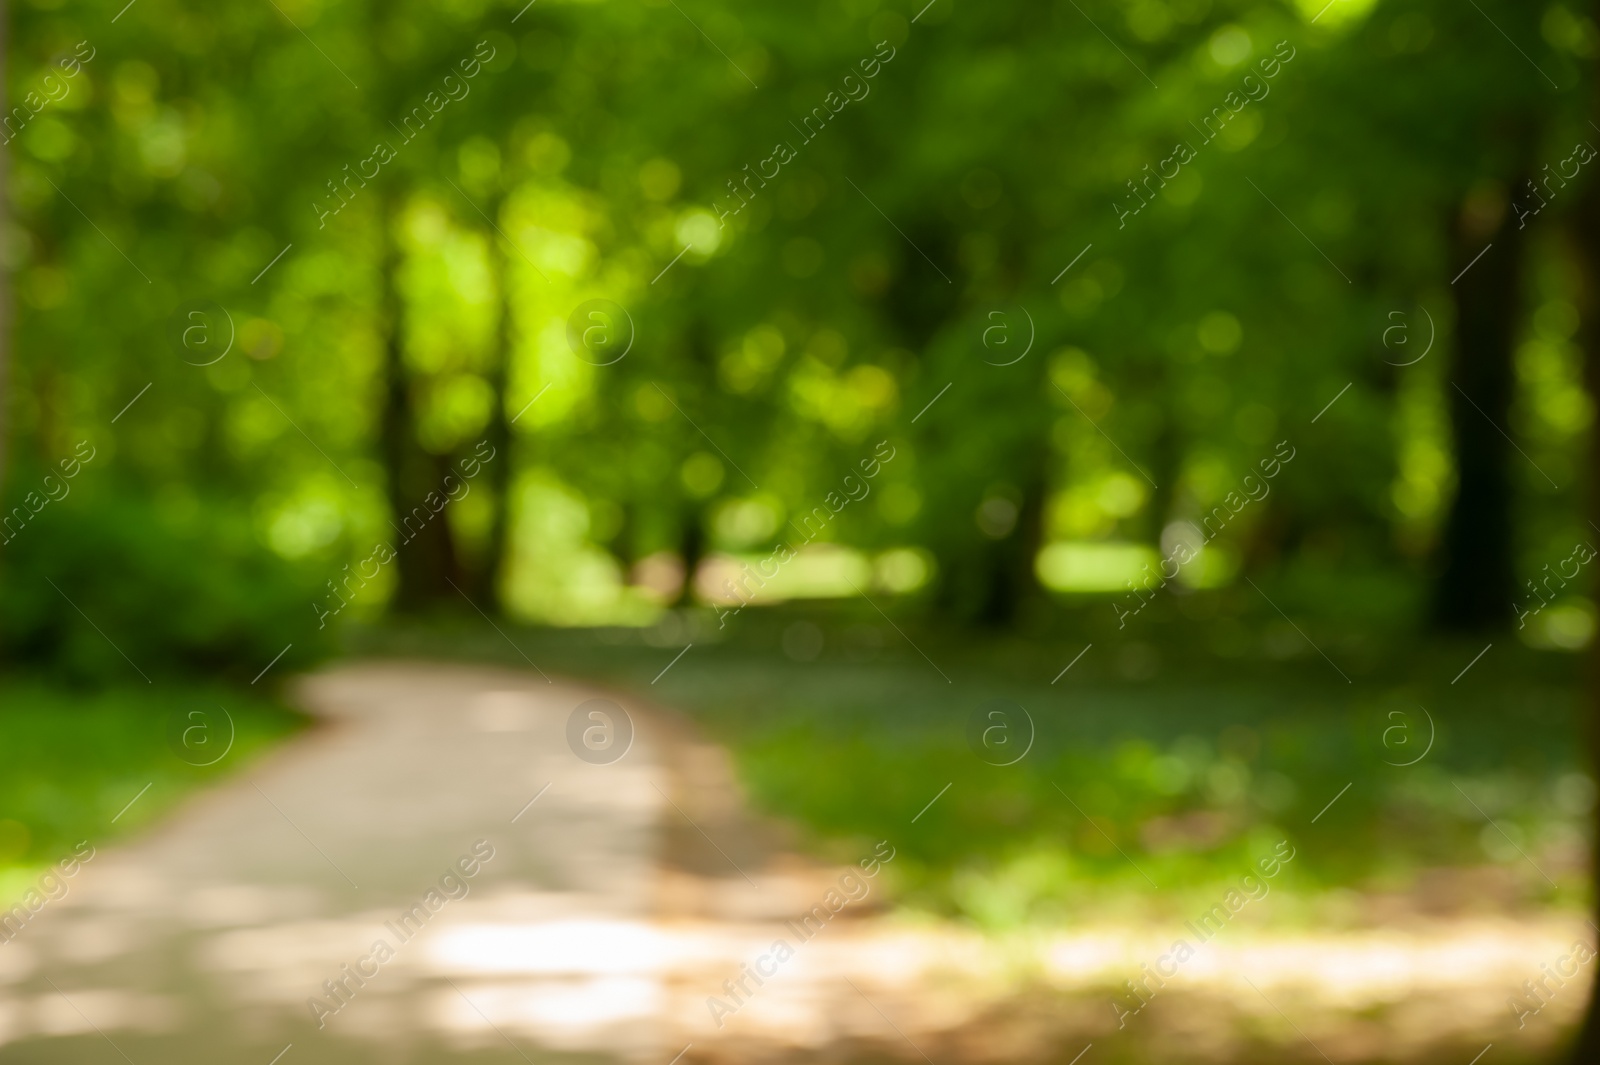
x=1476 y=587
x=692 y=547
x=1013 y=587
x=427 y=558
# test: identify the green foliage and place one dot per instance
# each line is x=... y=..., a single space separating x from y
x=75 y=757
x=182 y=582
x=956 y=161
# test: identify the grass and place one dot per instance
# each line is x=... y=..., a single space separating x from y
x=73 y=760
x=1161 y=769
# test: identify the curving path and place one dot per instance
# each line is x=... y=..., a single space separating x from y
x=206 y=939
x=616 y=904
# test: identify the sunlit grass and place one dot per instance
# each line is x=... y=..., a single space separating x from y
x=73 y=760
x=1161 y=771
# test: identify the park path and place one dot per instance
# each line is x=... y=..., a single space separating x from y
x=206 y=938
x=616 y=905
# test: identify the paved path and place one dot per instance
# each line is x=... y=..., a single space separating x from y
x=612 y=912
x=206 y=939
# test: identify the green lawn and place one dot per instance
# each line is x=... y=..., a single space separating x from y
x=71 y=760
x=1160 y=762
x=1165 y=761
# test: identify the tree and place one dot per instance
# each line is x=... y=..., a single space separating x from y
x=1474 y=589
x=5 y=274
x=1584 y=232
x=427 y=557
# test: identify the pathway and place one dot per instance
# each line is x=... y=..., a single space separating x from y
x=618 y=899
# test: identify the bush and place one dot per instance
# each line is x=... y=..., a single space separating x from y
x=171 y=586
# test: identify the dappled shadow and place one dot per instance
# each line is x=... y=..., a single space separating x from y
x=615 y=917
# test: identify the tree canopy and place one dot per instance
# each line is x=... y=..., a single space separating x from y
x=377 y=307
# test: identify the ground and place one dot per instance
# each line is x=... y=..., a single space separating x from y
x=619 y=901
